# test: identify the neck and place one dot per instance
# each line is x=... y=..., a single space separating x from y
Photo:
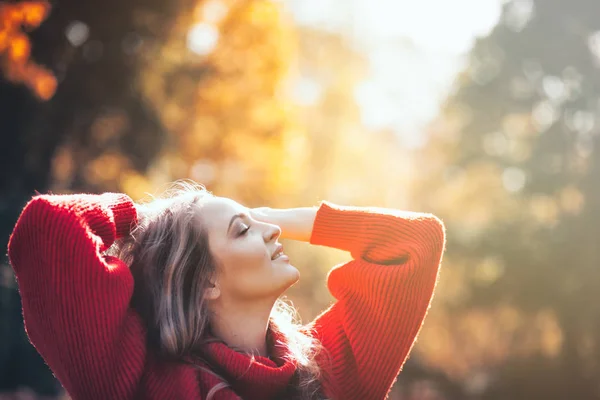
x=243 y=327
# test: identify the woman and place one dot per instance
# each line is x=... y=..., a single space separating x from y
x=178 y=298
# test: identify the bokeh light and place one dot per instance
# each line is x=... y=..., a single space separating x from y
x=202 y=38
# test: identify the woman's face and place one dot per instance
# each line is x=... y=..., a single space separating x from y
x=244 y=250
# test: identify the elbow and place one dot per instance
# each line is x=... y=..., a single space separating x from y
x=21 y=231
x=418 y=238
x=434 y=239
x=429 y=241
x=31 y=224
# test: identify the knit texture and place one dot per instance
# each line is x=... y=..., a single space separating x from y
x=77 y=313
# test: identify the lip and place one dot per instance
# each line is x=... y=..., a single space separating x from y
x=278 y=249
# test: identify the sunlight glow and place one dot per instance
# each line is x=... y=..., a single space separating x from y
x=214 y=11
x=433 y=25
x=202 y=38
x=307 y=91
x=415 y=50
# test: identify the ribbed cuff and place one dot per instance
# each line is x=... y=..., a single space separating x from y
x=124 y=212
x=337 y=226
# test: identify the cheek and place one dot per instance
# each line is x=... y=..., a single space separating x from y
x=249 y=254
x=240 y=254
x=245 y=260
x=249 y=272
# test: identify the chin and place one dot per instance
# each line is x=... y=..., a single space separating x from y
x=290 y=280
x=294 y=275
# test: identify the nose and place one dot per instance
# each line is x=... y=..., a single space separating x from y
x=272 y=232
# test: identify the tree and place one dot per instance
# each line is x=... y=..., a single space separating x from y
x=515 y=178
x=92 y=77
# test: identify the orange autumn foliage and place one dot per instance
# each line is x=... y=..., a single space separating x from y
x=15 y=47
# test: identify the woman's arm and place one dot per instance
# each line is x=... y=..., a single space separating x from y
x=382 y=294
x=295 y=223
x=76 y=301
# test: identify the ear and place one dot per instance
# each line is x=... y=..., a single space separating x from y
x=212 y=292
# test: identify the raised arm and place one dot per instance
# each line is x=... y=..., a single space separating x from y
x=382 y=294
x=75 y=300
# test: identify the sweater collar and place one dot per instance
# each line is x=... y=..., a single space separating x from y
x=253 y=377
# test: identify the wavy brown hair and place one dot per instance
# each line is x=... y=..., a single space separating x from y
x=172 y=265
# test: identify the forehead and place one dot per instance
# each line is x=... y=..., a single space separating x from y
x=216 y=212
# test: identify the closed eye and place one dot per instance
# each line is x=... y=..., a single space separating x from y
x=245 y=230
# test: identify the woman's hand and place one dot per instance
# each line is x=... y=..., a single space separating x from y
x=263 y=214
x=295 y=223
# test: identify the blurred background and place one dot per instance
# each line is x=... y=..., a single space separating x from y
x=484 y=112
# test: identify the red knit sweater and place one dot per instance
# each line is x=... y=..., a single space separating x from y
x=77 y=314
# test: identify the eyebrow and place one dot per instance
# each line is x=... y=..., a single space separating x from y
x=240 y=215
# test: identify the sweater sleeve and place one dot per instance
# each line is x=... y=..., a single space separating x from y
x=383 y=295
x=75 y=300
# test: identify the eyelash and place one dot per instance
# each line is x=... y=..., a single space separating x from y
x=244 y=231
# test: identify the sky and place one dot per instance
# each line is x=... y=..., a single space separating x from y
x=407 y=83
